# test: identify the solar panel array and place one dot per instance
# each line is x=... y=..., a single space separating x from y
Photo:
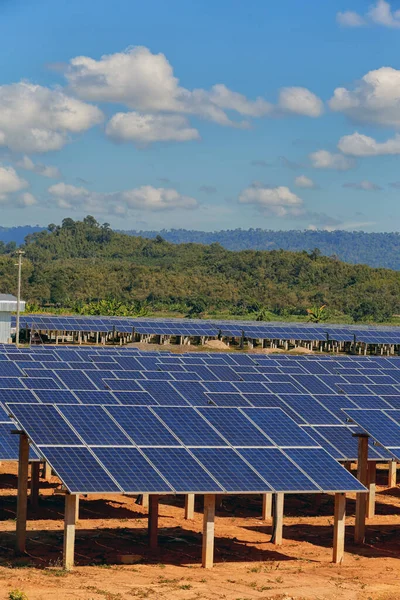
x=164 y=450
x=311 y=389
x=213 y=328
x=382 y=425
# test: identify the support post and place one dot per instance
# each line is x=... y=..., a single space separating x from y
x=266 y=506
x=338 y=528
x=208 y=531
x=153 y=521
x=145 y=500
x=392 y=476
x=189 y=506
x=77 y=508
x=46 y=471
x=361 y=497
x=69 y=531
x=22 y=499
x=278 y=519
x=34 y=498
x=371 y=488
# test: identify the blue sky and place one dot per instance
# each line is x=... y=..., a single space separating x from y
x=202 y=115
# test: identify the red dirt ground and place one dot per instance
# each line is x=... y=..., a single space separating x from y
x=247 y=565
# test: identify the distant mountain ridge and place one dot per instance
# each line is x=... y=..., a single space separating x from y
x=357 y=247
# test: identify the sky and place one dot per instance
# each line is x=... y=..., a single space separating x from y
x=201 y=115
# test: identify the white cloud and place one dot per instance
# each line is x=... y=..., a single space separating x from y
x=301 y=101
x=37 y=119
x=358 y=144
x=145 y=82
x=279 y=201
x=374 y=99
x=350 y=19
x=146 y=198
x=146 y=128
x=322 y=159
x=10 y=181
x=379 y=13
x=382 y=14
x=304 y=182
x=26 y=199
x=340 y=225
x=365 y=186
x=45 y=170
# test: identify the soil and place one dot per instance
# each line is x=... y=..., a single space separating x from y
x=247 y=565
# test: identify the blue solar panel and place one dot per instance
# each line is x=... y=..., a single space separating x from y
x=44 y=424
x=378 y=424
x=282 y=388
x=142 y=426
x=122 y=385
x=227 y=399
x=75 y=380
x=181 y=470
x=324 y=470
x=42 y=383
x=310 y=410
x=366 y=402
x=134 y=398
x=95 y=397
x=189 y=426
x=95 y=426
x=131 y=470
x=55 y=397
x=278 y=427
x=11 y=383
x=230 y=470
x=9 y=369
x=280 y=472
x=193 y=392
x=219 y=386
x=264 y=400
x=224 y=373
x=250 y=387
x=81 y=471
x=313 y=384
x=163 y=393
x=9 y=444
x=234 y=426
x=18 y=396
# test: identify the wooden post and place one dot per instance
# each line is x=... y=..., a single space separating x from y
x=371 y=488
x=69 y=531
x=153 y=521
x=392 y=477
x=22 y=499
x=34 y=499
x=145 y=500
x=278 y=518
x=266 y=506
x=46 y=471
x=189 y=506
x=361 y=497
x=77 y=508
x=208 y=531
x=338 y=528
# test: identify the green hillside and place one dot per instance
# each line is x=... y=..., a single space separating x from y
x=84 y=262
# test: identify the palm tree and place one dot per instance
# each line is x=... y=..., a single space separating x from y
x=317 y=314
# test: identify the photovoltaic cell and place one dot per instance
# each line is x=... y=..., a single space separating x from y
x=189 y=426
x=181 y=470
x=94 y=425
x=230 y=470
x=234 y=426
x=131 y=470
x=44 y=424
x=278 y=427
x=142 y=426
x=280 y=472
x=81 y=472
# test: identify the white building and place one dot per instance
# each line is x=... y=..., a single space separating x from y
x=8 y=305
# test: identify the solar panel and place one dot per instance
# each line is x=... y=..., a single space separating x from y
x=75 y=380
x=222 y=399
x=44 y=424
x=134 y=398
x=163 y=393
x=131 y=470
x=54 y=397
x=189 y=426
x=278 y=427
x=327 y=474
x=182 y=471
x=142 y=426
x=280 y=472
x=122 y=385
x=230 y=470
x=378 y=424
x=18 y=396
x=234 y=426
x=94 y=425
x=81 y=471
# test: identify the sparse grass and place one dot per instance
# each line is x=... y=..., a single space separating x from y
x=185 y=586
x=17 y=595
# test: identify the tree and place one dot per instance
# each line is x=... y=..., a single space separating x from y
x=317 y=314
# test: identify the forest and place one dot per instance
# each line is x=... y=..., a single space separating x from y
x=357 y=247
x=81 y=266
